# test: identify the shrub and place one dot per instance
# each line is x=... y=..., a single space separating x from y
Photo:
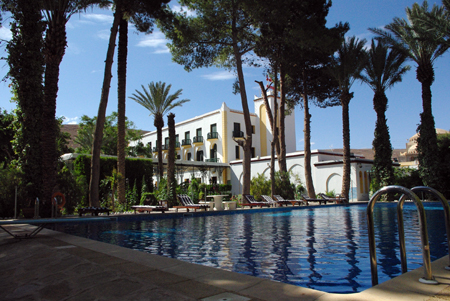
x=9 y=179
x=283 y=186
x=193 y=190
x=260 y=185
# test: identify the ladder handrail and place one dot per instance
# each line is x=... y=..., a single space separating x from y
x=428 y=277
x=445 y=206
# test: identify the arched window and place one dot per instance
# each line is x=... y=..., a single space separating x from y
x=213 y=153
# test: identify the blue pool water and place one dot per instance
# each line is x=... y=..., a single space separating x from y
x=323 y=248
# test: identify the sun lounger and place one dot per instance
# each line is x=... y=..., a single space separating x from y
x=269 y=200
x=148 y=209
x=187 y=203
x=336 y=200
x=320 y=201
x=253 y=203
x=93 y=210
x=281 y=201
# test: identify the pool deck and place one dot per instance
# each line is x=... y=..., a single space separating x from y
x=58 y=266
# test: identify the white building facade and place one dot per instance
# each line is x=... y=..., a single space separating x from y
x=205 y=150
x=209 y=138
x=326 y=172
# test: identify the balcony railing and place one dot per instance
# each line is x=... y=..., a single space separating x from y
x=238 y=134
x=155 y=149
x=213 y=135
x=198 y=139
x=186 y=142
x=165 y=146
x=212 y=160
x=177 y=144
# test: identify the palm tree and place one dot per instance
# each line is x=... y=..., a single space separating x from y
x=346 y=68
x=158 y=101
x=382 y=70
x=423 y=47
x=141 y=13
x=57 y=14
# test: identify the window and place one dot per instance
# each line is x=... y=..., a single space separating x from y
x=213 y=128
x=237 y=152
x=237 y=127
x=253 y=129
x=177 y=138
x=199 y=155
x=199 y=132
x=213 y=152
x=187 y=135
x=253 y=152
x=189 y=156
x=166 y=141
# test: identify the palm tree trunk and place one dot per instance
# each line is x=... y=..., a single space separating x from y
x=171 y=161
x=121 y=99
x=282 y=136
x=384 y=172
x=307 y=136
x=55 y=44
x=345 y=100
x=98 y=134
x=427 y=142
x=159 y=123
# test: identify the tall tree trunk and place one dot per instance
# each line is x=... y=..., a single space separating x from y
x=282 y=129
x=98 y=134
x=307 y=136
x=345 y=101
x=384 y=172
x=427 y=142
x=247 y=143
x=159 y=124
x=171 y=161
x=121 y=100
x=55 y=43
x=26 y=62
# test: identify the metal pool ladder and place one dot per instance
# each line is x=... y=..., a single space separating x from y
x=428 y=277
x=401 y=231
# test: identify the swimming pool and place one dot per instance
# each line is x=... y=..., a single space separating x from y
x=323 y=248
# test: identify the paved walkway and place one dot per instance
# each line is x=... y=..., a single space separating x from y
x=58 y=266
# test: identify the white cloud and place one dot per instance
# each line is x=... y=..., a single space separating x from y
x=104 y=34
x=222 y=75
x=74 y=120
x=5 y=34
x=98 y=18
x=179 y=9
x=155 y=40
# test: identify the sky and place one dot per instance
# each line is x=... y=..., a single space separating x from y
x=82 y=68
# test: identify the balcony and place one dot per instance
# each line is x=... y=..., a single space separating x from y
x=198 y=140
x=165 y=147
x=155 y=149
x=186 y=142
x=213 y=160
x=213 y=135
x=177 y=145
x=238 y=134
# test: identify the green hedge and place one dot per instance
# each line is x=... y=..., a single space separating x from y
x=135 y=170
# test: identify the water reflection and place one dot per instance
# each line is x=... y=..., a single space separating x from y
x=323 y=248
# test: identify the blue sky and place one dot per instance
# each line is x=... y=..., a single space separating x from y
x=82 y=68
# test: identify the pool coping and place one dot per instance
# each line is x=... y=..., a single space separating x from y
x=208 y=283
x=404 y=287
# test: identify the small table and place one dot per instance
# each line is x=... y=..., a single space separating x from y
x=211 y=204
x=218 y=201
x=231 y=205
